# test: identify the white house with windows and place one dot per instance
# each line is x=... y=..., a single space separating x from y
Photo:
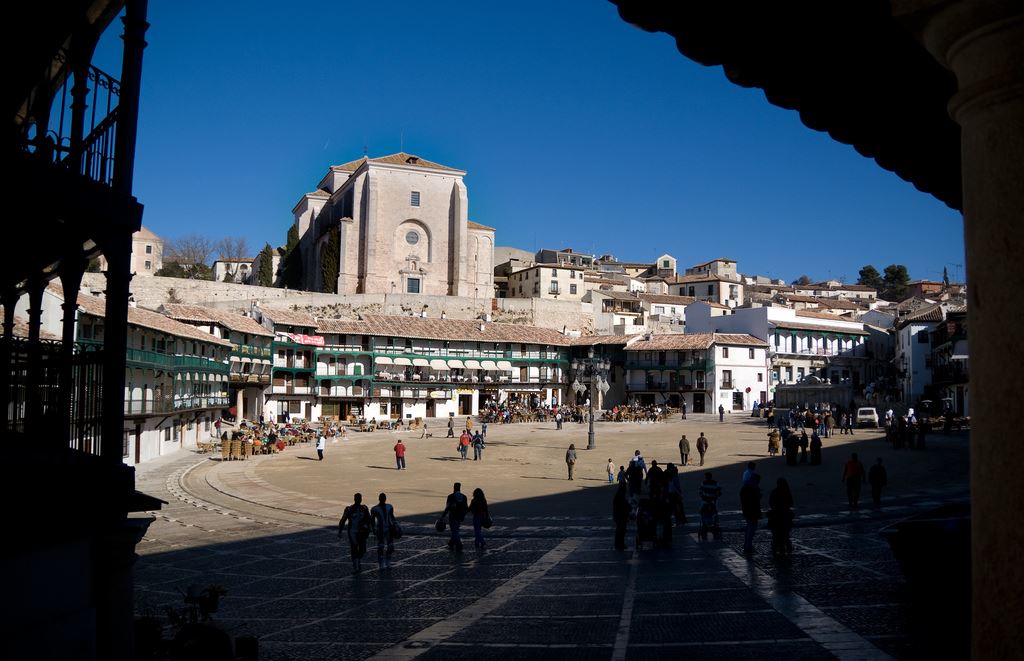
x=704 y=370
x=555 y=281
x=914 y=350
x=233 y=270
x=800 y=343
x=391 y=225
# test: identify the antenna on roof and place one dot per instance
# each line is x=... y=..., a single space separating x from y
x=364 y=146
x=401 y=140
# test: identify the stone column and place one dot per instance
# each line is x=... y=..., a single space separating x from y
x=239 y=403
x=118 y=251
x=9 y=299
x=70 y=280
x=34 y=374
x=982 y=43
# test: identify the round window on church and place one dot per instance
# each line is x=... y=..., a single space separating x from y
x=412 y=238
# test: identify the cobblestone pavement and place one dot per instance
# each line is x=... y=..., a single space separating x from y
x=546 y=586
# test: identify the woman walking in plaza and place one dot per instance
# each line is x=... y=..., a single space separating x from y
x=570 y=458
x=774 y=440
x=382 y=518
x=357 y=516
x=815 y=449
x=481 y=517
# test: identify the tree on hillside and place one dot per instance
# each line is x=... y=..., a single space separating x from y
x=188 y=257
x=870 y=277
x=945 y=278
x=232 y=248
x=291 y=261
x=265 y=272
x=803 y=280
x=894 y=282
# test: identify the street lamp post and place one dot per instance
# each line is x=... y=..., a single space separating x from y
x=594 y=372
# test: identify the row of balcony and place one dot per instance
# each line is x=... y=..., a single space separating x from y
x=174 y=403
x=667 y=386
x=817 y=351
x=702 y=365
x=486 y=354
x=154 y=359
x=251 y=351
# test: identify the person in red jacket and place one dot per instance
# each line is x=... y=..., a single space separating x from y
x=400 y=455
x=853 y=475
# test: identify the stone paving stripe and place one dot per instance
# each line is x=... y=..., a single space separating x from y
x=423 y=640
x=626 y=617
x=837 y=639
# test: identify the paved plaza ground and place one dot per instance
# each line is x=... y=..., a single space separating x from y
x=549 y=584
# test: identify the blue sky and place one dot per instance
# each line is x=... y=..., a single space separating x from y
x=575 y=128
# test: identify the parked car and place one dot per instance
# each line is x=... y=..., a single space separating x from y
x=867 y=417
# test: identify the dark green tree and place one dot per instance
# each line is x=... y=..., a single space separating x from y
x=894 y=282
x=265 y=274
x=291 y=261
x=330 y=258
x=803 y=280
x=186 y=271
x=945 y=277
x=870 y=277
x=93 y=266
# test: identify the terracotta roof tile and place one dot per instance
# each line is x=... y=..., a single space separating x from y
x=796 y=325
x=477 y=226
x=21 y=328
x=230 y=320
x=401 y=158
x=668 y=298
x=289 y=317
x=930 y=313
x=97 y=307
x=591 y=340
x=348 y=326
x=690 y=341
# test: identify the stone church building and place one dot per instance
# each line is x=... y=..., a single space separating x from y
x=394 y=224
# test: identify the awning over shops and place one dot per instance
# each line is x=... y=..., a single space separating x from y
x=235 y=358
x=472 y=364
x=505 y=365
x=246 y=360
x=383 y=360
x=489 y=365
x=403 y=361
x=438 y=364
x=420 y=362
x=456 y=364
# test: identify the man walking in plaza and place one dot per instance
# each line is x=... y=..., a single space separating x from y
x=382 y=520
x=478 y=447
x=877 y=478
x=750 y=503
x=684 y=450
x=721 y=413
x=684 y=409
x=400 y=455
x=321 y=443
x=558 y=420
x=570 y=458
x=451 y=427
x=464 y=440
x=611 y=471
x=702 y=446
x=853 y=476
x=455 y=508
x=357 y=516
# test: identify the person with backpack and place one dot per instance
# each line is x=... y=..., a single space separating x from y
x=357 y=516
x=385 y=529
x=455 y=508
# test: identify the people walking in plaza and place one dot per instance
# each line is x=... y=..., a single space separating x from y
x=853 y=476
x=675 y=494
x=702 y=446
x=655 y=479
x=830 y=425
x=780 y=517
x=815 y=449
x=451 y=428
x=570 y=458
x=721 y=413
x=558 y=420
x=483 y=429
x=684 y=450
x=638 y=459
x=464 y=440
x=750 y=504
x=789 y=444
x=611 y=470
x=622 y=477
x=469 y=424
x=357 y=516
x=400 y=455
x=481 y=517
x=804 y=443
x=321 y=443
x=620 y=515
x=848 y=426
x=683 y=408
x=478 y=446
x=455 y=508
x=423 y=433
x=635 y=477
x=382 y=519
x=709 y=493
x=774 y=442
x=750 y=472
x=877 y=478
